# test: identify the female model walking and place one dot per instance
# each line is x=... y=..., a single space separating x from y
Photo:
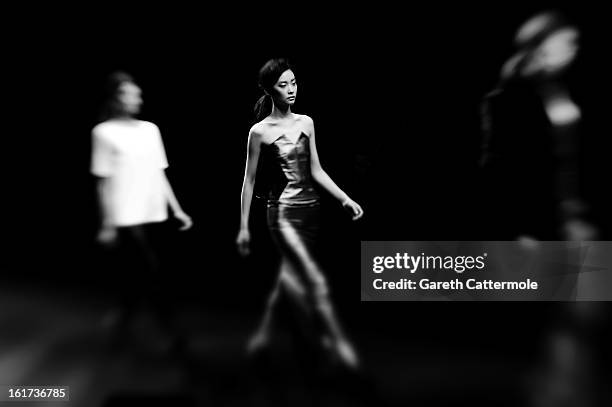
x=286 y=141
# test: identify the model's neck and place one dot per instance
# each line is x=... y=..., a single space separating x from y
x=281 y=112
x=124 y=117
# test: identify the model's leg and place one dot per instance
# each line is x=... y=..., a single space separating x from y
x=156 y=294
x=127 y=261
x=144 y=248
x=260 y=339
x=286 y=286
x=571 y=361
x=297 y=249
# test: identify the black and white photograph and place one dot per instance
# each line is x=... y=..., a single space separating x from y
x=239 y=207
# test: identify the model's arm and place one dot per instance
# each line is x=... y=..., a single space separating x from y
x=103 y=168
x=489 y=153
x=253 y=150
x=103 y=201
x=565 y=116
x=108 y=231
x=319 y=175
x=174 y=204
x=168 y=192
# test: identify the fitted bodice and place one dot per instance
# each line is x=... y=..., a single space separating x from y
x=291 y=182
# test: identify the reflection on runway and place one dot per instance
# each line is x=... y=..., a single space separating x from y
x=61 y=337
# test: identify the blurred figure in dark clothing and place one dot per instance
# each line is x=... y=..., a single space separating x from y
x=531 y=160
x=531 y=147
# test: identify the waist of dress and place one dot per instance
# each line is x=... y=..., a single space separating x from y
x=293 y=203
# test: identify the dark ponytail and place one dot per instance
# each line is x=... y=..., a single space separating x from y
x=263 y=107
x=268 y=75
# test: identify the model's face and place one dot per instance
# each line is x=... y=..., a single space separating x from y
x=285 y=89
x=129 y=97
x=557 y=51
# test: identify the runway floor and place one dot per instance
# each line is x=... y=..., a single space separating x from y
x=53 y=337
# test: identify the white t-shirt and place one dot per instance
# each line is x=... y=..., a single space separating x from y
x=131 y=155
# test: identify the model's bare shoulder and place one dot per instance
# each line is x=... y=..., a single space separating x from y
x=305 y=118
x=307 y=123
x=257 y=132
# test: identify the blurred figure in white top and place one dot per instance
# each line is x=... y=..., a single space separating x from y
x=128 y=159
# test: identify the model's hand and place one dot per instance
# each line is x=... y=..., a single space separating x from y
x=107 y=236
x=184 y=219
x=528 y=242
x=577 y=230
x=243 y=241
x=353 y=207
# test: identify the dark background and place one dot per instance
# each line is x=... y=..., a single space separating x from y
x=394 y=94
